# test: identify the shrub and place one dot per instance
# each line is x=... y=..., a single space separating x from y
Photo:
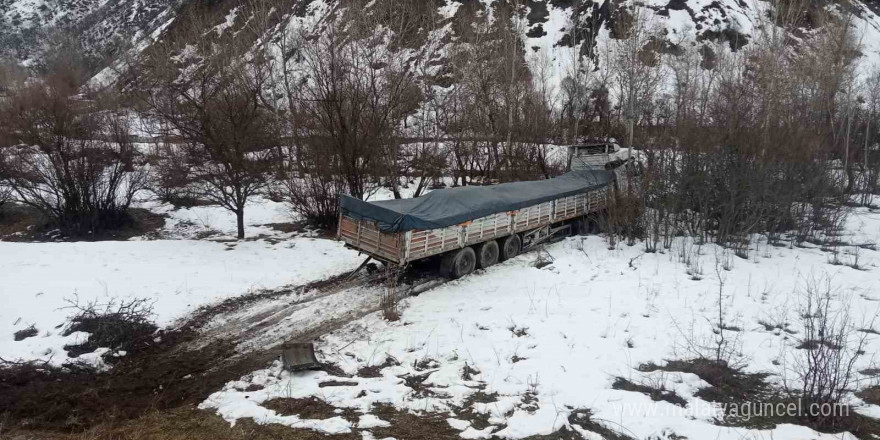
x=25 y=333
x=70 y=157
x=5 y=194
x=313 y=189
x=120 y=325
x=169 y=176
x=824 y=363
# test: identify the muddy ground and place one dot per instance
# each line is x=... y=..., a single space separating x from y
x=154 y=390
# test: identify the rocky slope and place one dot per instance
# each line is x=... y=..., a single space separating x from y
x=106 y=27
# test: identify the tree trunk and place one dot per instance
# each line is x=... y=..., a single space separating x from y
x=866 y=189
x=420 y=186
x=239 y=220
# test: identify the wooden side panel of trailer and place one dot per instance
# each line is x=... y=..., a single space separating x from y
x=487 y=228
x=421 y=244
x=598 y=199
x=533 y=216
x=571 y=206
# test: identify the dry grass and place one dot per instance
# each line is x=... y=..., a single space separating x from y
x=24 y=223
x=584 y=418
x=185 y=423
x=729 y=384
x=479 y=420
x=16 y=219
x=732 y=385
x=25 y=333
x=409 y=426
x=376 y=370
x=310 y=408
x=189 y=423
x=870 y=395
x=75 y=399
x=656 y=394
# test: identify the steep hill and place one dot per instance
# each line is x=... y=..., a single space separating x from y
x=107 y=28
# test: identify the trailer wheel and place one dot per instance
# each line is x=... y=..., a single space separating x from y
x=578 y=227
x=585 y=226
x=457 y=264
x=487 y=254
x=591 y=224
x=510 y=247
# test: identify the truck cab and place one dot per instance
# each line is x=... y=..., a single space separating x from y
x=592 y=156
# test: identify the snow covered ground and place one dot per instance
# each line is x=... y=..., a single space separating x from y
x=196 y=261
x=537 y=343
x=177 y=274
x=544 y=342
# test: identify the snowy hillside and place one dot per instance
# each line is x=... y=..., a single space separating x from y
x=102 y=26
x=548 y=26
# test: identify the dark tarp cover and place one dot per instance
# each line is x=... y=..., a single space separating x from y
x=451 y=206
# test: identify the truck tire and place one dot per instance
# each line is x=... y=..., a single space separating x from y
x=510 y=247
x=487 y=254
x=457 y=264
x=578 y=227
x=591 y=225
x=587 y=225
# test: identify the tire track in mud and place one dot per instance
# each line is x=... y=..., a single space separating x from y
x=253 y=318
x=257 y=327
x=334 y=324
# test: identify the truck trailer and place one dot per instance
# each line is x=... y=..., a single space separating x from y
x=473 y=227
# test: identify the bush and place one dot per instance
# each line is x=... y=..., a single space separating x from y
x=25 y=333
x=170 y=177
x=70 y=157
x=313 y=188
x=746 y=150
x=316 y=199
x=624 y=217
x=120 y=325
x=5 y=195
x=824 y=363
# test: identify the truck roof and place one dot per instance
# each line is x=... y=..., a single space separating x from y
x=451 y=206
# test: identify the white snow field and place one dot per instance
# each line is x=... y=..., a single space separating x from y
x=545 y=342
x=177 y=275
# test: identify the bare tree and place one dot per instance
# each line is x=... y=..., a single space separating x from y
x=467 y=116
x=749 y=141
x=12 y=75
x=635 y=64
x=358 y=91
x=424 y=160
x=490 y=93
x=512 y=36
x=171 y=179
x=211 y=96
x=314 y=194
x=822 y=370
x=870 y=165
x=68 y=154
x=582 y=29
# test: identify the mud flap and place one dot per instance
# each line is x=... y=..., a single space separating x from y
x=299 y=356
